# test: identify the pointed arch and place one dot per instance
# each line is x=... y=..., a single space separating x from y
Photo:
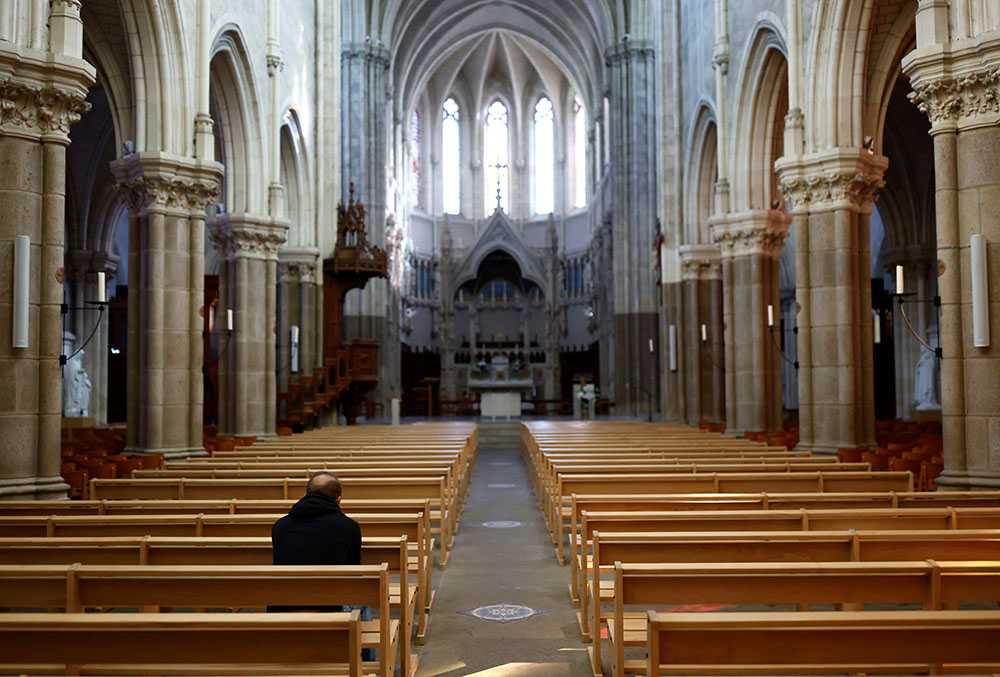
x=701 y=177
x=238 y=125
x=762 y=106
x=295 y=176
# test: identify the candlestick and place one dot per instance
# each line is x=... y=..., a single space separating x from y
x=650 y=345
x=770 y=315
x=899 y=279
x=704 y=333
x=229 y=319
x=101 y=290
x=878 y=327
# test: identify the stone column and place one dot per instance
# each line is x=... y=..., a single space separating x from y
x=632 y=76
x=955 y=72
x=42 y=93
x=449 y=376
x=831 y=196
x=553 y=317
x=697 y=387
x=296 y=306
x=365 y=155
x=750 y=245
x=167 y=197
x=248 y=250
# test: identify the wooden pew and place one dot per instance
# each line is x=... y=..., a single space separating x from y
x=172 y=551
x=913 y=642
x=77 y=587
x=188 y=643
x=776 y=546
x=560 y=506
x=412 y=526
x=433 y=489
x=762 y=501
x=931 y=584
x=772 y=520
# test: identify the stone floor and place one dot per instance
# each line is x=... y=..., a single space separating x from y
x=502 y=564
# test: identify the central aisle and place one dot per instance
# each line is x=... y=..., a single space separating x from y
x=490 y=566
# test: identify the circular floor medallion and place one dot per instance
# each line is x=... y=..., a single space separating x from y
x=501 y=524
x=501 y=486
x=503 y=612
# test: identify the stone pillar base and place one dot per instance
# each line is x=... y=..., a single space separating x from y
x=33 y=488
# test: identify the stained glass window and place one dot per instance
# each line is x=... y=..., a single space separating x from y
x=579 y=155
x=495 y=159
x=544 y=183
x=415 y=158
x=451 y=162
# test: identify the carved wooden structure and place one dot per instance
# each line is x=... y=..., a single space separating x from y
x=349 y=369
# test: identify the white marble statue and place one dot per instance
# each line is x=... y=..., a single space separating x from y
x=76 y=382
x=926 y=380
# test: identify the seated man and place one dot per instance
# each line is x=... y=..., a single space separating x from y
x=316 y=531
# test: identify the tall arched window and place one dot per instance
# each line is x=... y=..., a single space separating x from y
x=544 y=183
x=495 y=159
x=579 y=155
x=451 y=159
x=415 y=158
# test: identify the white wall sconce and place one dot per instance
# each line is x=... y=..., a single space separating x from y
x=672 y=337
x=295 y=349
x=22 y=276
x=980 y=293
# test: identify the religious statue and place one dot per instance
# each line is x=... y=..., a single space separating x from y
x=925 y=383
x=76 y=382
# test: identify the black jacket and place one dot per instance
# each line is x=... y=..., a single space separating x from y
x=315 y=531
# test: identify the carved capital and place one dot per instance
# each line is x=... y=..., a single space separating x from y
x=274 y=64
x=43 y=110
x=966 y=96
x=700 y=262
x=159 y=193
x=764 y=238
x=296 y=271
x=247 y=239
x=855 y=188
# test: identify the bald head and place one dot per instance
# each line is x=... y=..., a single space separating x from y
x=324 y=483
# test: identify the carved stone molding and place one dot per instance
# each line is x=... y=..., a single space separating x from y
x=274 y=65
x=157 y=193
x=243 y=240
x=952 y=97
x=296 y=271
x=757 y=238
x=44 y=110
x=371 y=53
x=700 y=262
x=628 y=51
x=856 y=188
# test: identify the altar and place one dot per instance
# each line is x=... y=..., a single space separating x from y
x=499 y=395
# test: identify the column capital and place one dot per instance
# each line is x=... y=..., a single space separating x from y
x=297 y=264
x=700 y=261
x=239 y=236
x=957 y=84
x=756 y=232
x=41 y=94
x=159 y=182
x=628 y=50
x=841 y=177
x=373 y=52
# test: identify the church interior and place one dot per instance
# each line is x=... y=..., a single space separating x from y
x=615 y=278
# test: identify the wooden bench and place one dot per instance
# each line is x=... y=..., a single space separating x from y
x=912 y=642
x=931 y=584
x=77 y=588
x=443 y=511
x=412 y=526
x=776 y=546
x=771 y=520
x=761 y=501
x=560 y=506
x=172 y=551
x=232 y=644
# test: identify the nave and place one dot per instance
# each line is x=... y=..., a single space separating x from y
x=685 y=552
